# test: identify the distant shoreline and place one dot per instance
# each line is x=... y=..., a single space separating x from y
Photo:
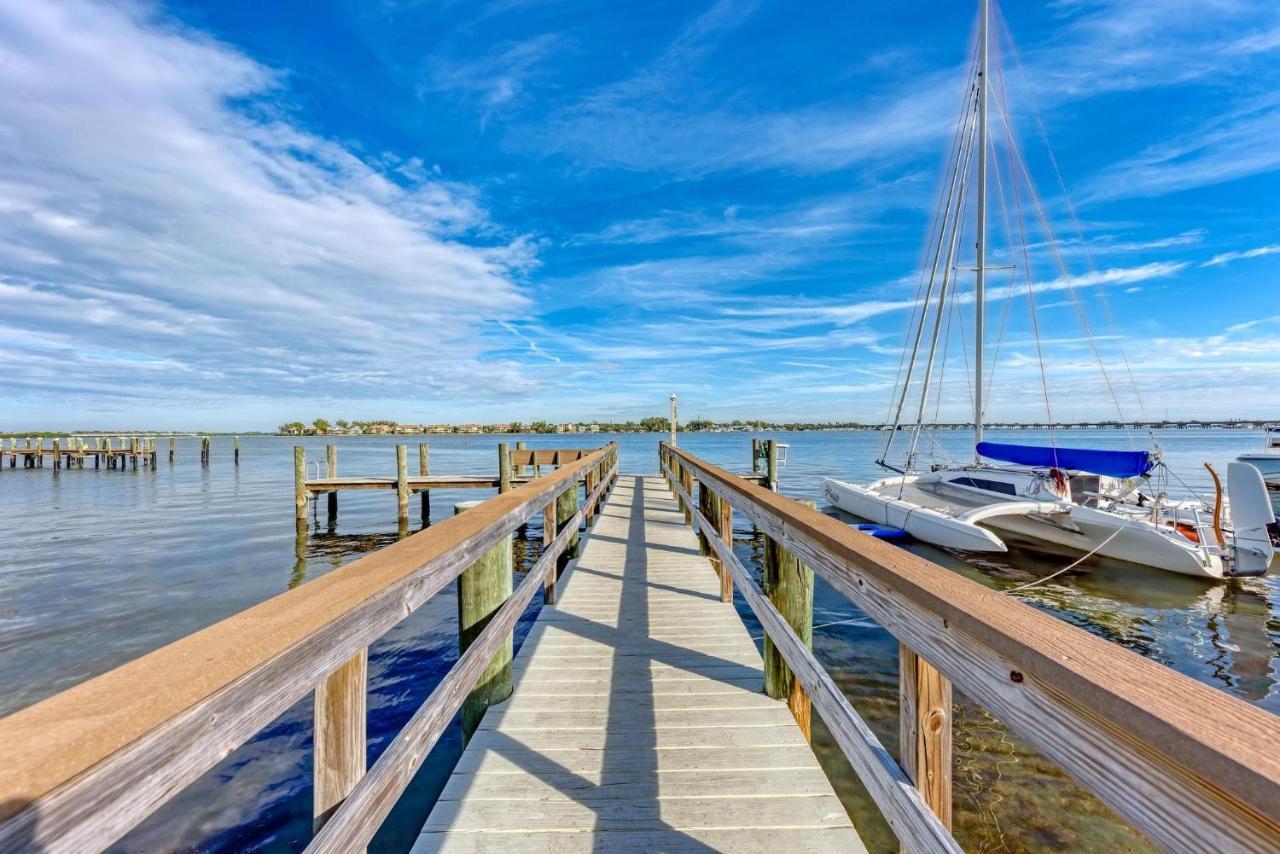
x=692 y=427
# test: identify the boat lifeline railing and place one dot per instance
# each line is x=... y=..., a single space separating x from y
x=1189 y=766
x=80 y=769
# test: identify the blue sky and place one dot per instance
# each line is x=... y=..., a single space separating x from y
x=230 y=214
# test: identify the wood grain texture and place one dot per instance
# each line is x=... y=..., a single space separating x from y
x=1191 y=767
x=617 y=728
x=339 y=741
x=924 y=730
x=83 y=767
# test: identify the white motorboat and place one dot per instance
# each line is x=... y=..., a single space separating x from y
x=1268 y=460
x=1073 y=501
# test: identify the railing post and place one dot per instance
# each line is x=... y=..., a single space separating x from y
x=402 y=483
x=424 y=469
x=924 y=730
x=686 y=480
x=300 y=481
x=549 y=534
x=566 y=507
x=339 y=740
x=723 y=517
x=482 y=588
x=589 y=484
x=704 y=497
x=789 y=585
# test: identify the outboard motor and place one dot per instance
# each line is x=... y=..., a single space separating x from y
x=1251 y=516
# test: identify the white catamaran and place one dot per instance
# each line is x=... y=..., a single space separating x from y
x=1071 y=501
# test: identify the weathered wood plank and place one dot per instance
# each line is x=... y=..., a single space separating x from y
x=602 y=816
x=509 y=759
x=637 y=707
x=809 y=781
x=735 y=841
x=924 y=727
x=340 y=713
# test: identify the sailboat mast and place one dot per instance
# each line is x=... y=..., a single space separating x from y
x=979 y=301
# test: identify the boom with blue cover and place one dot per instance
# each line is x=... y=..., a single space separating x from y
x=1111 y=463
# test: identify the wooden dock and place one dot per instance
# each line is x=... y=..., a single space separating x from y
x=638 y=713
x=637 y=720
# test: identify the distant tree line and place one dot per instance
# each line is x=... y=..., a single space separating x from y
x=652 y=424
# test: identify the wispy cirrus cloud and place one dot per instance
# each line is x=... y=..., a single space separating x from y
x=157 y=204
x=1228 y=257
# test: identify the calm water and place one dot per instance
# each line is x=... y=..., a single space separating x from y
x=102 y=566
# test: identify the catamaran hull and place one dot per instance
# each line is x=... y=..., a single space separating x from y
x=1076 y=531
x=922 y=523
x=1083 y=532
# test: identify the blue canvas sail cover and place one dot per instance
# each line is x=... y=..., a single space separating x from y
x=1111 y=463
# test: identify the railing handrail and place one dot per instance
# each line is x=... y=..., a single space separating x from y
x=86 y=765
x=1190 y=766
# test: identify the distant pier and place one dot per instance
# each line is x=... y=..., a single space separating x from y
x=111 y=452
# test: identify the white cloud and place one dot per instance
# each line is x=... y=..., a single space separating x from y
x=155 y=202
x=1227 y=257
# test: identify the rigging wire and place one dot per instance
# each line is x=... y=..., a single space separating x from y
x=1079 y=231
x=1052 y=241
x=936 y=240
x=947 y=277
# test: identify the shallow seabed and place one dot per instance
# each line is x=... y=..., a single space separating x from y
x=103 y=566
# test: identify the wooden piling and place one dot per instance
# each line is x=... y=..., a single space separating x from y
x=424 y=469
x=520 y=470
x=57 y=454
x=771 y=462
x=482 y=589
x=172 y=442
x=924 y=730
x=402 y=482
x=331 y=457
x=300 y=481
x=504 y=467
x=789 y=585
x=235 y=445
x=339 y=740
x=757 y=455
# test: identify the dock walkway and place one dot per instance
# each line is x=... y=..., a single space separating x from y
x=637 y=720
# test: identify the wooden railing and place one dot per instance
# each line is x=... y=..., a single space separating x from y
x=80 y=769
x=1189 y=766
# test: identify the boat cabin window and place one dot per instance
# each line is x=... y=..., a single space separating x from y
x=983 y=483
x=1085 y=489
